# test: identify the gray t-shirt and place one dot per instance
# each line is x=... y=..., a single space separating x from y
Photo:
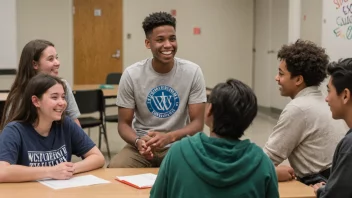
x=160 y=101
x=72 y=110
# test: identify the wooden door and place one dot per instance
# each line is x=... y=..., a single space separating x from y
x=97 y=40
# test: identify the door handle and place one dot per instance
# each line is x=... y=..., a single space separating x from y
x=117 y=54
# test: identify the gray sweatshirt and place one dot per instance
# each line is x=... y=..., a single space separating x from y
x=339 y=183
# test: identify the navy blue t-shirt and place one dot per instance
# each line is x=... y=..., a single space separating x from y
x=21 y=144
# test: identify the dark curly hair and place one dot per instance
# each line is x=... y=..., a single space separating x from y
x=341 y=73
x=234 y=106
x=157 y=19
x=307 y=59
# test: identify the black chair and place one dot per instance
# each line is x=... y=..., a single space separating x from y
x=2 y=106
x=92 y=101
x=112 y=78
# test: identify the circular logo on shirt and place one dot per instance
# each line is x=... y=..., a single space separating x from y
x=163 y=101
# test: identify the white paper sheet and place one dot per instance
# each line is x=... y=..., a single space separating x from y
x=142 y=180
x=86 y=180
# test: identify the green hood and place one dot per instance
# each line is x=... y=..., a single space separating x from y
x=220 y=162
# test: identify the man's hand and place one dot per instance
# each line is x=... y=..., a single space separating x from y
x=317 y=186
x=285 y=173
x=158 y=139
x=143 y=149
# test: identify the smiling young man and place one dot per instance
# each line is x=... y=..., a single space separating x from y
x=340 y=102
x=305 y=133
x=160 y=99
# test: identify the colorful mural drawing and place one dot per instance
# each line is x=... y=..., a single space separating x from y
x=344 y=19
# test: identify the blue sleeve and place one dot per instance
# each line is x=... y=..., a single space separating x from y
x=10 y=144
x=80 y=141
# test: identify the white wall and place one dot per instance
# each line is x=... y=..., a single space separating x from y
x=279 y=36
x=311 y=20
x=262 y=67
x=8 y=40
x=272 y=31
x=223 y=50
x=50 y=20
x=8 y=50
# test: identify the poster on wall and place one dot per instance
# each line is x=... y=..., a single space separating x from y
x=343 y=28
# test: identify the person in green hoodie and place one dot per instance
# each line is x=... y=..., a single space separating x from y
x=221 y=165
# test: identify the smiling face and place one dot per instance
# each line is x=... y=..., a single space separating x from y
x=52 y=104
x=48 y=62
x=289 y=86
x=162 y=42
x=336 y=102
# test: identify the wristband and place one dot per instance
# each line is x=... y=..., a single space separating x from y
x=136 y=140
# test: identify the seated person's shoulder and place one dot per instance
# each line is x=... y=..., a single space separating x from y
x=14 y=130
x=294 y=108
x=137 y=66
x=186 y=64
x=347 y=140
x=16 y=126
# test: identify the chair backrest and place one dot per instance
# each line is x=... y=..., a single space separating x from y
x=4 y=91
x=2 y=105
x=90 y=101
x=113 y=78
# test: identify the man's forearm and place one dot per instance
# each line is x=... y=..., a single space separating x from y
x=127 y=133
x=191 y=129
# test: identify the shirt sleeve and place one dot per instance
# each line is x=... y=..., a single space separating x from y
x=80 y=141
x=10 y=144
x=338 y=184
x=125 y=95
x=72 y=110
x=198 y=90
x=287 y=134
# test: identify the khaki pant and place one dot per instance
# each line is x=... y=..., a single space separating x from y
x=129 y=157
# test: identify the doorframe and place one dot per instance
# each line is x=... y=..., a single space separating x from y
x=71 y=42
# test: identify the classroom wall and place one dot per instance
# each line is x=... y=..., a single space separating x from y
x=283 y=21
x=224 y=48
x=312 y=20
x=225 y=42
x=271 y=32
x=50 y=20
x=8 y=40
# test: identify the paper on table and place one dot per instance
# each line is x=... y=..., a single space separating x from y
x=138 y=181
x=86 y=180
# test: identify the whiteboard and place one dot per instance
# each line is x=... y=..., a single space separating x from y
x=337 y=31
x=337 y=28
